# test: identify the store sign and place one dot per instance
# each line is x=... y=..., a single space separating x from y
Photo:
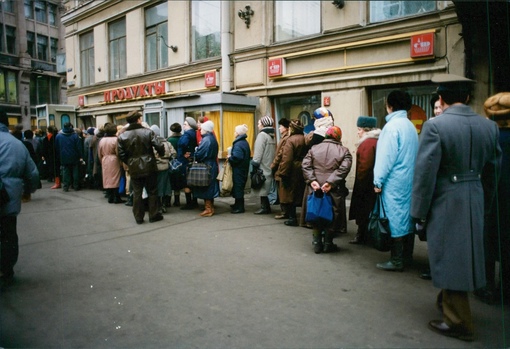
x=422 y=45
x=275 y=67
x=327 y=101
x=81 y=101
x=133 y=92
x=211 y=79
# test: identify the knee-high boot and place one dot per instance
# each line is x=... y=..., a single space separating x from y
x=209 y=210
x=317 y=240
x=292 y=221
x=396 y=261
x=189 y=202
x=265 y=207
x=238 y=206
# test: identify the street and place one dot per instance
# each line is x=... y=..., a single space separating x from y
x=89 y=277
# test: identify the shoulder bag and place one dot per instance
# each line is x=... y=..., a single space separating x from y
x=257 y=178
x=379 y=234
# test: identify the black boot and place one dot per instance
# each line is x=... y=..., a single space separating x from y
x=408 y=249
x=189 y=202
x=129 y=200
x=116 y=197
x=162 y=205
x=396 y=261
x=177 y=200
x=265 y=207
x=238 y=206
x=317 y=241
x=292 y=221
x=110 y=194
x=329 y=246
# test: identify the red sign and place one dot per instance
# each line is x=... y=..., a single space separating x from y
x=81 y=101
x=138 y=91
x=275 y=67
x=327 y=101
x=422 y=45
x=211 y=79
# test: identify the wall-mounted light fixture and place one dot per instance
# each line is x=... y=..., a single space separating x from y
x=172 y=47
x=246 y=15
x=339 y=3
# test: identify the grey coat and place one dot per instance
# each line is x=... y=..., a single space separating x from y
x=455 y=147
x=263 y=155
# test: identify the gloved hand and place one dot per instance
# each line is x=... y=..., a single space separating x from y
x=420 y=230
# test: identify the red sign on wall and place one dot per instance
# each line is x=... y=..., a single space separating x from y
x=211 y=79
x=81 y=101
x=275 y=67
x=422 y=45
x=327 y=101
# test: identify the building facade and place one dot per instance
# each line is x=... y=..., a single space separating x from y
x=235 y=61
x=32 y=74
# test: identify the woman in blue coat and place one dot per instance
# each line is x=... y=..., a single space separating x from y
x=207 y=152
x=239 y=158
x=185 y=151
x=393 y=173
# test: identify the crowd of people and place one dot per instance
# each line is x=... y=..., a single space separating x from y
x=442 y=182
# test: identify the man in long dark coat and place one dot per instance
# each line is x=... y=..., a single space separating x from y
x=458 y=159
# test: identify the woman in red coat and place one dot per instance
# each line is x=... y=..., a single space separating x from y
x=363 y=195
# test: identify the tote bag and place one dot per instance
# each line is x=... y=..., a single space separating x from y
x=199 y=175
x=319 y=208
x=379 y=234
x=227 y=181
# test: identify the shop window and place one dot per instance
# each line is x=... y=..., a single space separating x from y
x=205 y=29
x=156 y=37
x=117 y=34
x=297 y=107
x=8 y=87
x=42 y=124
x=388 y=10
x=87 y=59
x=296 y=19
x=153 y=119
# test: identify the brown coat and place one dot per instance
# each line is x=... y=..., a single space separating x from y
x=289 y=171
x=109 y=157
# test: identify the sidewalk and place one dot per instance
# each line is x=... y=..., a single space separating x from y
x=89 y=277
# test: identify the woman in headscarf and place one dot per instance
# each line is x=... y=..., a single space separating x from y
x=207 y=152
x=263 y=156
x=164 y=186
x=239 y=159
x=290 y=172
x=185 y=151
x=325 y=168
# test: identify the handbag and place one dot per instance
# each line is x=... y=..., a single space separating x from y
x=198 y=175
x=174 y=166
x=319 y=208
x=227 y=180
x=257 y=178
x=4 y=196
x=379 y=234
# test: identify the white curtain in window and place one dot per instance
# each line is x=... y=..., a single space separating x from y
x=294 y=19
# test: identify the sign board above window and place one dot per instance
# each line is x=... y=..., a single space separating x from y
x=275 y=67
x=422 y=45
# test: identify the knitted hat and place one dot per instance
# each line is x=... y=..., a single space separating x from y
x=266 y=121
x=156 y=130
x=321 y=113
x=90 y=131
x=241 y=129
x=296 y=126
x=207 y=126
x=334 y=132
x=176 y=127
x=366 y=122
x=284 y=122
x=191 y=122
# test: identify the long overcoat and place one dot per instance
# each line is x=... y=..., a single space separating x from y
x=186 y=144
x=263 y=155
x=456 y=148
x=108 y=154
x=290 y=172
x=328 y=161
x=240 y=162
x=393 y=171
x=363 y=195
x=207 y=152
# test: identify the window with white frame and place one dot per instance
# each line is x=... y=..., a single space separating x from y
x=295 y=19
x=117 y=45
x=387 y=10
x=87 y=59
x=156 y=37
x=205 y=29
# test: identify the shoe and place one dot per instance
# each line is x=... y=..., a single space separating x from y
x=282 y=216
x=358 y=240
x=237 y=210
x=156 y=218
x=262 y=211
x=440 y=327
x=139 y=221
x=330 y=247
x=317 y=247
x=291 y=222
x=389 y=266
x=426 y=275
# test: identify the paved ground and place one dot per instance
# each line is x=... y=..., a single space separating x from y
x=90 y=277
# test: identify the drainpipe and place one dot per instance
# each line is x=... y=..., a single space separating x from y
x=226 y=39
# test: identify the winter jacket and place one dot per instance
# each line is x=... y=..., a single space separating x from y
x=17 y=171
x=263 y=155
x=108 y=154
x=289 y=171
x=136 y=150
x=394 y=168
x=207 y=152
x=69 y=146
x=240 y=162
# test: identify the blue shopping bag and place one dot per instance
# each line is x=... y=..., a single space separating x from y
x=319 y=208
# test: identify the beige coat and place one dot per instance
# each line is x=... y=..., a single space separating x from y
x=109 y=156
